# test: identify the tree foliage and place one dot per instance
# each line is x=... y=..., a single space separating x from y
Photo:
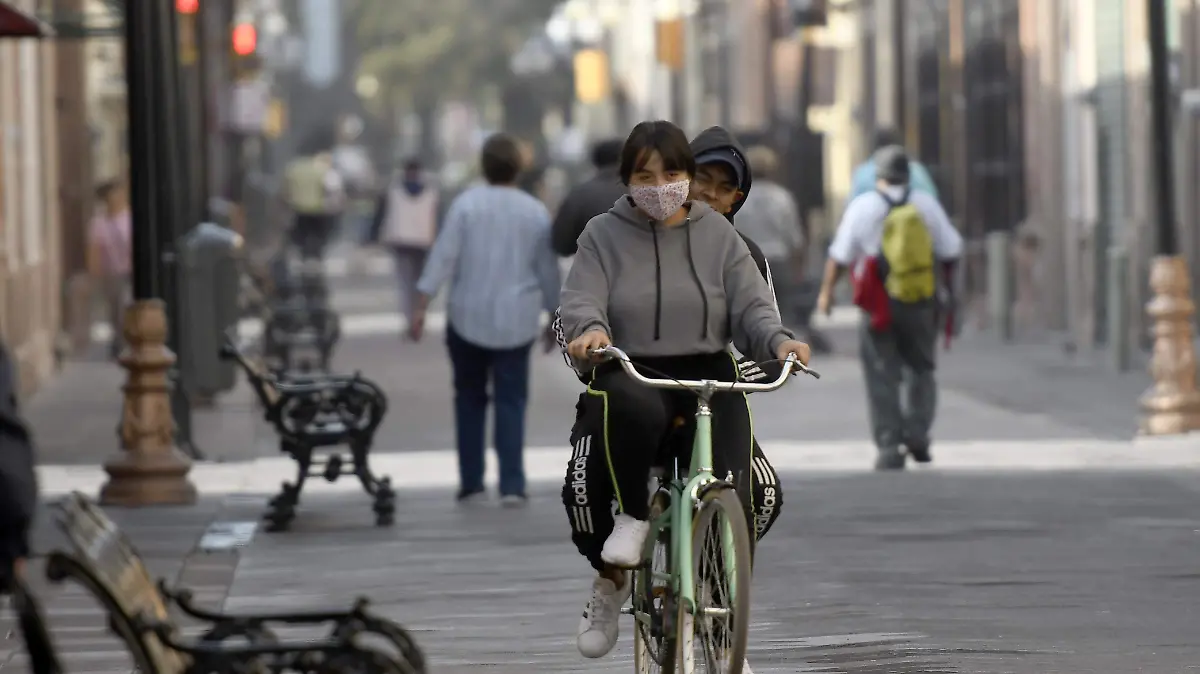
x=431 y=50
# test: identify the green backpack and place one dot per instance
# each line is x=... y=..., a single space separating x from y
x=906 y=253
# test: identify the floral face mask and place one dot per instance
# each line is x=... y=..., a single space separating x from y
x=661 y=201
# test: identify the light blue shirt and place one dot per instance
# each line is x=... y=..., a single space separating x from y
x=864 y=179
x=494 y=249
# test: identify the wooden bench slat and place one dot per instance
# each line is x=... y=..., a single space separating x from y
x=113 y=561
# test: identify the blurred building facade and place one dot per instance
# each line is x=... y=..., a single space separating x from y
x=1032 y=116
x=1034 y=119
x=30 y=275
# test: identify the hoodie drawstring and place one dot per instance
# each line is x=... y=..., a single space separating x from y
x=657 y=283
x=696 y=278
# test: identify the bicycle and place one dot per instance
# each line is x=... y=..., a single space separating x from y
x=673 y=594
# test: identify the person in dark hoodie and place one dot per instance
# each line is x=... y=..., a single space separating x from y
x=590 y=198
x=670 y=281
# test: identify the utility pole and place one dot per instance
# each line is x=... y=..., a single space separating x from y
x=1172 y=406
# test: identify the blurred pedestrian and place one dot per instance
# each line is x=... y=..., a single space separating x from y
x=316 y=194
x=353 y=163
x=590 y=198
x=406 y=219
x=771 y=218
x=18 y=504
x=892 y=239
x=864 y=179
x=494 y=249
x=109 y=256
x=18 y=482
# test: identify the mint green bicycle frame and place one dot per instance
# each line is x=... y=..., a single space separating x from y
x=679 y=518
x=700 y=473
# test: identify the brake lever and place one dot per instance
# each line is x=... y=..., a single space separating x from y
x=801 y=367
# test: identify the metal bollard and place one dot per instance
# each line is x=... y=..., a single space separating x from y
x=1115 y=297
x=1000 y=283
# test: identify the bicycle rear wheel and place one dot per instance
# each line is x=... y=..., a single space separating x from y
x=713 y=639
x=654 y=644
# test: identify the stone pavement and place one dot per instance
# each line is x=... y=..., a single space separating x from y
x=922 y=572
x=1012 y=393
x=932 y=571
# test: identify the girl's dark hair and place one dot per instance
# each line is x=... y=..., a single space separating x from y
x=670 y=141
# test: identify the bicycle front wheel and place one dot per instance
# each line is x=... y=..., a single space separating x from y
x=654 y=606
x=712 y=639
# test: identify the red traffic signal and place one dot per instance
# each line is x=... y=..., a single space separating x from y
x=245 y=39
x=187 y=6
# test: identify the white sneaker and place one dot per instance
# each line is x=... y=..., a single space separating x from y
x=599 y=627
x=623 y=548
x=746 y=667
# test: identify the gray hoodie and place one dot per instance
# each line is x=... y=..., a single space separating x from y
x=669 y=291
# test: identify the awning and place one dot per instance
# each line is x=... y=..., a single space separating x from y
x=15 y=23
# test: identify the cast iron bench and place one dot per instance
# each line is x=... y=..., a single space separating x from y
x=312 y=412
x=299 y=321
x=104 y=561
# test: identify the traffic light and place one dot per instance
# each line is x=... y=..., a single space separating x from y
x=245 y=39
x=187 y=6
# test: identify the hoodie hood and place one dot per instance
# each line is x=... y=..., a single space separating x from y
x=717 y=137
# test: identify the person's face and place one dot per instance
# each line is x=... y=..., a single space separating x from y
x=715 y=185
x=115 y=201
x=412 y=174
x=653 y=173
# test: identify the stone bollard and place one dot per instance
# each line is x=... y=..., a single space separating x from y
x=150 y=470
x=1172 y=405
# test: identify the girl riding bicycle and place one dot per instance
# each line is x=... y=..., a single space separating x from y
x=672 y=283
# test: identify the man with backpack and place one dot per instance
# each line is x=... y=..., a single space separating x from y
x=894 y=239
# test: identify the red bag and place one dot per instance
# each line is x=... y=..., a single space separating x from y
x=871 y=296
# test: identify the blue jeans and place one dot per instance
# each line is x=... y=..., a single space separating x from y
x=508 y=370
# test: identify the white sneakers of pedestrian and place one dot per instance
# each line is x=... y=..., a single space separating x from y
x=599 y=627
x=624 y=545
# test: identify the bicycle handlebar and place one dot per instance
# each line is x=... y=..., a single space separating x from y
x=613 y=353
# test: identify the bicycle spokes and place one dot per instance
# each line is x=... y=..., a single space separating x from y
x=715 y=596
x=654 y=647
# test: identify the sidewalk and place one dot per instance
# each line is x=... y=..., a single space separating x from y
x=1035 y=377
x=76 y=414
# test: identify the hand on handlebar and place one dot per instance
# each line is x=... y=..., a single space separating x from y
x=793 y=347
x=582 y=346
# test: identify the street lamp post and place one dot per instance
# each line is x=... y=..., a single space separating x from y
x=1172 y=406
x=150 y=470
